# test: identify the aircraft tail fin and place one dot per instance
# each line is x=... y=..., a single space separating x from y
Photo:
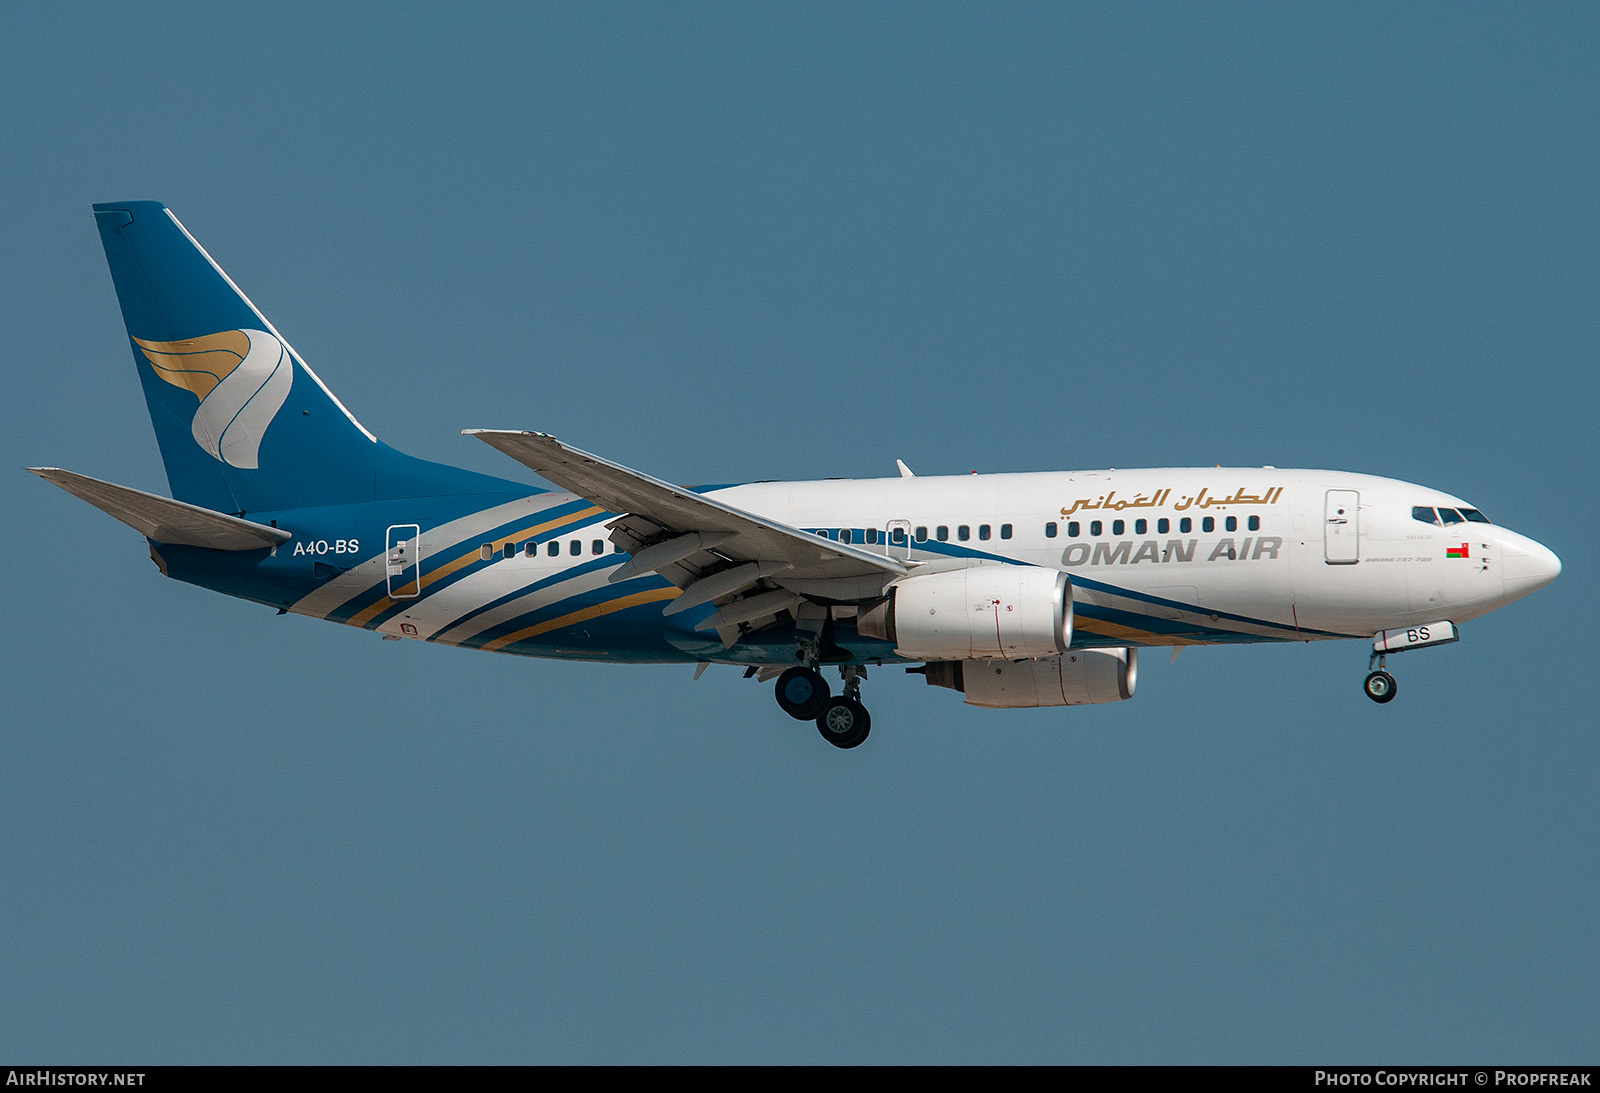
x=243 y=423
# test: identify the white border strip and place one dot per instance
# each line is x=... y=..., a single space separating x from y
x=268 y=324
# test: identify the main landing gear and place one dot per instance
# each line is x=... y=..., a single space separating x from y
x=843 y=721
x=802 y=693
x=1380 y=685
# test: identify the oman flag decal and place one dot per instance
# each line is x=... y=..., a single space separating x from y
x=1456 y=552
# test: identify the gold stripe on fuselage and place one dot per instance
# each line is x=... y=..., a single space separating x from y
x=384 y=603
x=1130 y=635
x=653 y=595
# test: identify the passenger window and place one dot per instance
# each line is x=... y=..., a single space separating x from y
x=1474 y=516
x=1095 y=527
x=553 y=549
x=846 y=535
x=1185 y=525
x=1141 y=526
x=1231 y=523
x=486 y=552
x=964 y=532
x=983 y=531
x=597 y=547
x=821 y=533
x=1450 y=516
x=1073 y=529
x=942 y=533
x=1005 y=531
x=507 y=549
x=1050 y=529
x=1208 y=524
x=872 y=536
x=1117 y=526
x=530 y=549
x=1254 y=524
x=921 y=535
x=575 y=547
x=1423 y=513
x=897 y=536
x=1163 y=526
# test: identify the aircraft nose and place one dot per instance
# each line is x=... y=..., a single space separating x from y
x=1526 y=566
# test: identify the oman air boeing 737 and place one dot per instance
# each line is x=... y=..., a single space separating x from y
x=1016 y=590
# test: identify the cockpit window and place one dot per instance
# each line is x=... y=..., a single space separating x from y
x=1445 y=517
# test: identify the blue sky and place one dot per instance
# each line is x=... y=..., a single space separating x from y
x=721 y=242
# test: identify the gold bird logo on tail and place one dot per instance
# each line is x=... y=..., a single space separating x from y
x=241 y=377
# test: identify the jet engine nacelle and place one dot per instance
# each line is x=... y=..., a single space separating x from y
x=999 y=612
x=1082 y=677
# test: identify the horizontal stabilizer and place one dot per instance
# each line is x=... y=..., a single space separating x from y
x=162 y=518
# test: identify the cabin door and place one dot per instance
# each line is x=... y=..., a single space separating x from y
x=1340 y=528
x=403 y=561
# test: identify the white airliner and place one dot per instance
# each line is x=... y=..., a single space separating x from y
x=1017 y=590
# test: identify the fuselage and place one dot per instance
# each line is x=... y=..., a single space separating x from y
x=1017 y=590
x=1155 y=557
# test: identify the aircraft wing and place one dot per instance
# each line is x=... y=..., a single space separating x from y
x=710 y=549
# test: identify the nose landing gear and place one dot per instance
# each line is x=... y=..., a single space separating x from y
x=1380 y=685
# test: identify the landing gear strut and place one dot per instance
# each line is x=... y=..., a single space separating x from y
x=844 y=721
x=1380 y=685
